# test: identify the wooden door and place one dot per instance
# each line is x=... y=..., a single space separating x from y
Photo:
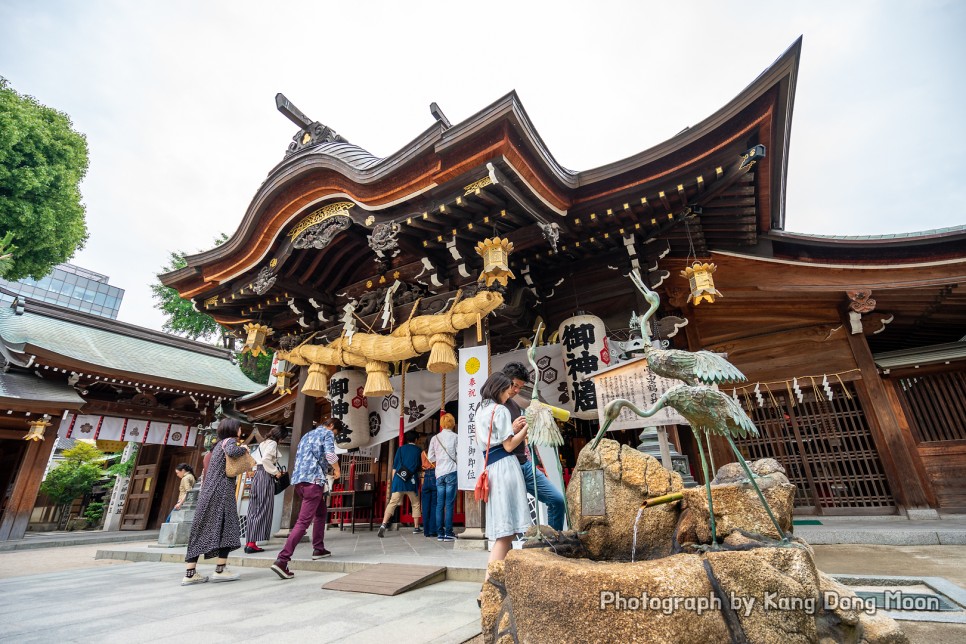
x=140 y=492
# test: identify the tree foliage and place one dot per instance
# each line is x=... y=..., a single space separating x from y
x=258 y=369
x=42 y=162
x=74 y=477
x=182 y=318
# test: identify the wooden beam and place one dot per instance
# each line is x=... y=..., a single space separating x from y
x=896 y=454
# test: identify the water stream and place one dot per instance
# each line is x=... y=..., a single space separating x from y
x=634 y=542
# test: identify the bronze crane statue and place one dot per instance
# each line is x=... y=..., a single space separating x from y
x=707 y=410
x=692 y=367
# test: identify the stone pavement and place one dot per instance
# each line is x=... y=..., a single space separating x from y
x=64 y=593
x=143 y=602
x=58 y=539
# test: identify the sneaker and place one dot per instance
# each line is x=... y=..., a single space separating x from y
x=281 y=569
x=320 y=554
x=417 y=530
x=253 y=549
x=224 y=575
x=449 y=537
x=194 y=580
x=382 y=530
x=441 y=538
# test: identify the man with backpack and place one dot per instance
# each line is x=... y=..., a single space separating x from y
x=407 y=463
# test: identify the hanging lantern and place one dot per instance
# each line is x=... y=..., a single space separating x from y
x=255 y=343
x=37 y=428
x=702 y=284
x=350 y=405
x=496 y=256
x=583 y=341
x=283 y=383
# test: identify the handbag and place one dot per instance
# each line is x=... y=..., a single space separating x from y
x=282 y=481
x=482 y=490
x=235 y=465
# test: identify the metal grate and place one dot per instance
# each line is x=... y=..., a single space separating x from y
x=935 y=406
x=826 y=449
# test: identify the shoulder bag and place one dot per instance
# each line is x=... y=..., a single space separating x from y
x=482 y=490
x=283 y=481
x=235 y=465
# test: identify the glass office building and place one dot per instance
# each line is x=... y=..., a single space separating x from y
x=72 y=287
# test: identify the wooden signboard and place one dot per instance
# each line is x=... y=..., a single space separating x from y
x=634 y=381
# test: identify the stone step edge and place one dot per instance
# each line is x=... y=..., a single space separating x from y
x=453 y=573
x=825 y=536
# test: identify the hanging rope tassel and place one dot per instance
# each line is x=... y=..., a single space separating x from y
x=845 y=390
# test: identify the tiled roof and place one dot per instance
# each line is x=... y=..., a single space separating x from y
x=30 y=387
x=122 y=351
x=935 y=232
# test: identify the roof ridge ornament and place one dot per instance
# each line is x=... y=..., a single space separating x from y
x=312 y=133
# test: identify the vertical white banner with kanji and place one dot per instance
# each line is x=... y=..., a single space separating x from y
x=469 y=455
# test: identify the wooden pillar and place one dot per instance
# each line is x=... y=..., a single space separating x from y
x=26 y=485
x=301 y=423
x=897 y=456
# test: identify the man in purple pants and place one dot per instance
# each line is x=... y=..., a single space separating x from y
x=316 y=453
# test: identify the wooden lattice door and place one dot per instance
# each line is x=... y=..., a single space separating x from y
x=826 y=449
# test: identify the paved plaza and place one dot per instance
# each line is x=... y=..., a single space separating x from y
x=130 y=591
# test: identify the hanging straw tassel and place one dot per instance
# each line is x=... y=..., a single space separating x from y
x=479 y=328
x=791 y=394
x=377 y=380
x=442 y=356
x=845 y=390
x=317 y=382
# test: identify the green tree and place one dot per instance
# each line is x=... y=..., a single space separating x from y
x=74 y=477
x=42 y=162
x=182 y=318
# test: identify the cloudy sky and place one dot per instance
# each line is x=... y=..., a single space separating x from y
x=176 y=98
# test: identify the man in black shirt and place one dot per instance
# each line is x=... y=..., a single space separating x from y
x=547 y=491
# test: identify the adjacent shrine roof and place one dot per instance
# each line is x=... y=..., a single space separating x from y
x=28 y=388
x=84 y=342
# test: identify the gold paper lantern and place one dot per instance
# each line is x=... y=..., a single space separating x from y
x=256 y=339
x=37 y=428
x=283 y=383
x=495 y=253
x=702 y=284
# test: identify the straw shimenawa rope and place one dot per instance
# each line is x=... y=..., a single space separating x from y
x=433 y=333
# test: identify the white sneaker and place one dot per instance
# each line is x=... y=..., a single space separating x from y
x=194 y=580
x=225 y=575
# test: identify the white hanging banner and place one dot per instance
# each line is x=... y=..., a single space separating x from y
x=634 y=381
x=132 y=430
x=424 y=391
x=469 y=455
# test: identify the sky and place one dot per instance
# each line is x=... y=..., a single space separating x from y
x=176 y=98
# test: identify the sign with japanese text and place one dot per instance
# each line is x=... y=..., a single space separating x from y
x=634 y=381
x=469 y=455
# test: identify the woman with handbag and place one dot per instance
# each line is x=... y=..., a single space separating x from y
x=507 y=511
x=262 y=498
x=215 y=530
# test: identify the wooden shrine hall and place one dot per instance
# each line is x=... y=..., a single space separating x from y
x=83 y=376
x=853 y=346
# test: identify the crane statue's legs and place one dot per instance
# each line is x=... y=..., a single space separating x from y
x=707 y=437
x=707 y=487
x=761 y=497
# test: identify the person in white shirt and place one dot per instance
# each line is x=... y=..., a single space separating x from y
x=442 y=451
x=258 y=526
